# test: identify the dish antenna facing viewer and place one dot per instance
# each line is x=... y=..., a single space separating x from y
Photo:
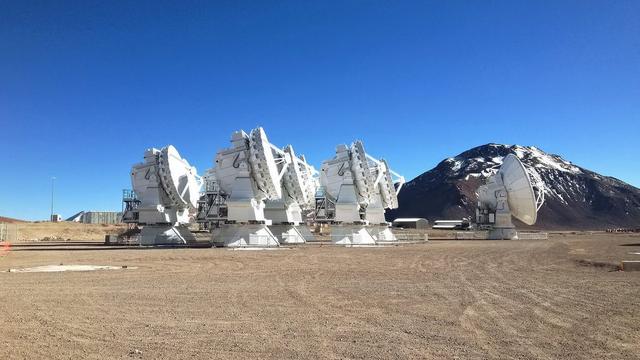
x=511 y=191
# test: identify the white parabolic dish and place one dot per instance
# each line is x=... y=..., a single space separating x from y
x=263 y=164
x=178 y=178
x=298 y=180
x=362 y=172
x=387 y=187
x=520 y=194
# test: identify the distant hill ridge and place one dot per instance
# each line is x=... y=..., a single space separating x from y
x=10 y=220
x=576 y=198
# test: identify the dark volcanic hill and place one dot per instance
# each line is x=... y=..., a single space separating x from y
x=576 y=198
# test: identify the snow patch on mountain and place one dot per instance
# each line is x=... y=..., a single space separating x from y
x=544 y=160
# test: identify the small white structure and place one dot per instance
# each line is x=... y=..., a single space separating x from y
x=168 y=189
x=97 y=217
x=411 y=223
x=451 y=224
x=248 y=173
x=299 y=185
x=511 y=191
x=356 y=188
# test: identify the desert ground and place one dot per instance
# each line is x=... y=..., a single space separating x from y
x=534 y=299
x=61 y=231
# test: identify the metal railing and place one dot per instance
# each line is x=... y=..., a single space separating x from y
x=128 y=194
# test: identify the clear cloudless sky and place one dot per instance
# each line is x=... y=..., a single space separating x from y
x=87 y=86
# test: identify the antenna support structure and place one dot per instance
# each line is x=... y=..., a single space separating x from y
x=248 y=173
x=166 y=190
x=355 y=189
x=288 y=214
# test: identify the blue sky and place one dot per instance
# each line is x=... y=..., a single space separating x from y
x=86 y=86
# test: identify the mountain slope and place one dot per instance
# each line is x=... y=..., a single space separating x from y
x=9 y=220
x=576 y=198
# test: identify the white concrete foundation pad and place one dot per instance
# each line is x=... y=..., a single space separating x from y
x=241 y=235
x=154 y=235
x=62 y=268
x=287 y=234
x=258 y=248
x=351 y=235
x=382 y=234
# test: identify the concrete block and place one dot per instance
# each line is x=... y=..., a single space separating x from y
x=631 y=265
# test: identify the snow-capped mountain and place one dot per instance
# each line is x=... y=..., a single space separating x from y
x=576 y=198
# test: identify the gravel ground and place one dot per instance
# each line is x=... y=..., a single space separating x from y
x=561 y=298
x=61 y=231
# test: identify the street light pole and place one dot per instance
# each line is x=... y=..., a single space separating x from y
x=53 y=179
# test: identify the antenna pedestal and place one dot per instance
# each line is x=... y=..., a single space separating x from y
x=498 y=222
x=286 y=220
x=242 y=205
x=379 y=228
x=503 y=228
x=280 y=212
x=351 y=230
x=375 y=214
x=158 y=214
x=347 y=206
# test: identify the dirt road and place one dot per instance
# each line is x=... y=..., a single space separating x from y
x=448 y=299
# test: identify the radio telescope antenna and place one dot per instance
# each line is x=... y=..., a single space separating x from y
x=168 y=190
x=512 y=191
x=248 y=173
x=355 y=190
x=299 y=185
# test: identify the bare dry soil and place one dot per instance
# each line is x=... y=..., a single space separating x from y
x=64 y=231
x=559 y=298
